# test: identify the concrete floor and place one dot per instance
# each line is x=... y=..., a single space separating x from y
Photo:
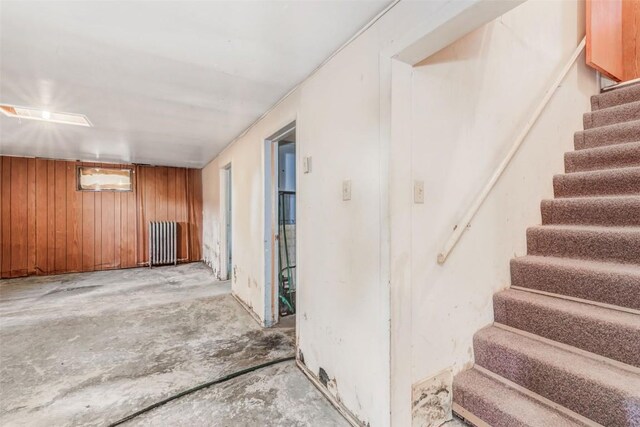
x=89 y=349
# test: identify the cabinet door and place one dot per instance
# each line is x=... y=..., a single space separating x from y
x=604 y=37
x=631 y=39
x=613 y=38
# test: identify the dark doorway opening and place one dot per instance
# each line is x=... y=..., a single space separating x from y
x=287 y=226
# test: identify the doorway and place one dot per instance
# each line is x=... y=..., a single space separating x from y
x=227 y=246
x=287 y=226
x=280 y=226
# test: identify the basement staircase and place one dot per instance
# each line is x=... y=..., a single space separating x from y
x=565 y=346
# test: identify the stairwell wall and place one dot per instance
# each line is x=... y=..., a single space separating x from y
x=343 y=298
x=455 y=116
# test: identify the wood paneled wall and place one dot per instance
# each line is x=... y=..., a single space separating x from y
x=48 y=227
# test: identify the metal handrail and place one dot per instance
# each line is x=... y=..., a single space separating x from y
x=477 y=203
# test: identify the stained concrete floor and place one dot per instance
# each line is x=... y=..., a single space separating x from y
x=89 y=349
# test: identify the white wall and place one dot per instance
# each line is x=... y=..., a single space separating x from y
x=212 y=217
x=343 y=284
x=372 y=303
x=343 y=302
x=454 y=118
x=246 y=158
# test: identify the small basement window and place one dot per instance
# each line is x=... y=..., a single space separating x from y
x=104 y=179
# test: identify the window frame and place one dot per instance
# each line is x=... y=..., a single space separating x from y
x=99 y=190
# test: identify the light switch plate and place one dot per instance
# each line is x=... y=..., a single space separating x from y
x=346 y=190
x=306 y=164
x=418 y=192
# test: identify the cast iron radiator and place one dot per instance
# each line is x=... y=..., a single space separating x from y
x=163 y=242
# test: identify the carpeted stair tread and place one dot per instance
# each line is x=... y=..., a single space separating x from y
x=612 y=115
x=607 y=157
x=598 y=183
x=569 y=328
x=615 y=97
x=601 y=391
x=614 y=244
x=618 y=133
x=604 y=282
x=500 y=405
x=602 y=210
x=608 y=332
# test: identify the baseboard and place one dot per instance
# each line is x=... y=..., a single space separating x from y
x=468 y=417
x=249 y=310
x=336 y=404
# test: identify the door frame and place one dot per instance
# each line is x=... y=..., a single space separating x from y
x=226 y=215
x=271 y=221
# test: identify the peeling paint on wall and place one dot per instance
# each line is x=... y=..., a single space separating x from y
x=211 y=261
x=211 y=257
x=431 y=400
x=330 y=384
x=323 y=377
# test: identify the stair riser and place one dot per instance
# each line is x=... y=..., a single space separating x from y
x=624 y=182
x=616 y=156
x=577 y=392
x=619 y=212
x=621 y=114
x=616 y=97
x=603 y=245
x=611 y=287
x=609 y=135
x=617 y=340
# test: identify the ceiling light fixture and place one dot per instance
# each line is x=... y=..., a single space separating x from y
x=46 y=116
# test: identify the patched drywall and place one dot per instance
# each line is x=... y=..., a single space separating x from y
x=211 y=230
x=431 y=400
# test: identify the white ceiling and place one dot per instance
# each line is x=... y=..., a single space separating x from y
x=163 y=82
